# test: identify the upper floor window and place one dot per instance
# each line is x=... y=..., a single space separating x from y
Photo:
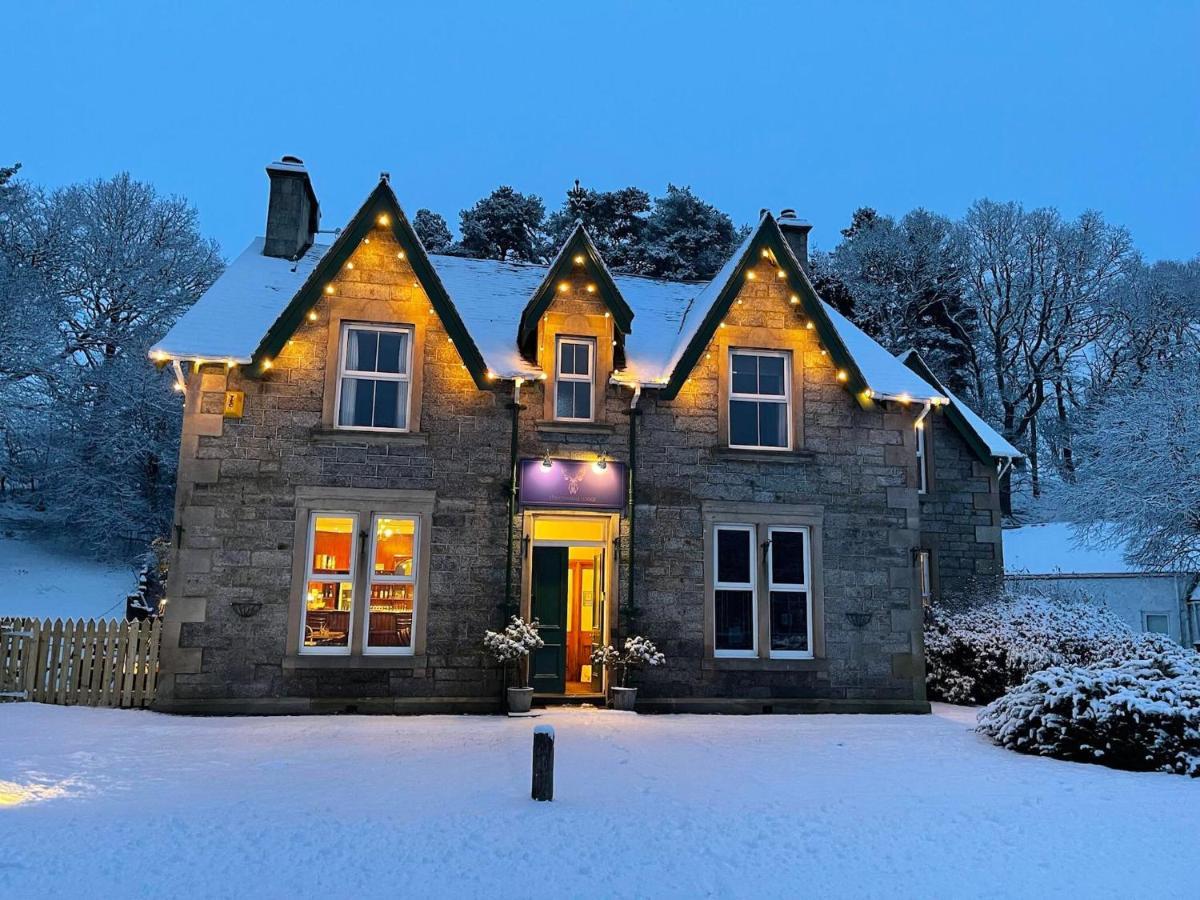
x=760 y=399
x=574 y=377
x=374 y=369
x=922 y=461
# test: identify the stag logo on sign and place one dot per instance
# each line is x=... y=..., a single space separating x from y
x=573 y=481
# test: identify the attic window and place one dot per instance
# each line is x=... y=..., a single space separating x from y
x=574 y=372
x=373 y=378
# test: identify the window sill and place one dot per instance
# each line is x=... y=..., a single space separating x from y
x=552 y=427
x=787 y=457
x=346 y=436
x=758 y=664
x=373 y=661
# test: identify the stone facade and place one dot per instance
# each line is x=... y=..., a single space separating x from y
x=852 y=470
x=960 y=517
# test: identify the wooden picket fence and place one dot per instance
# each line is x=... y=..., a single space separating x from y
x=79 y=663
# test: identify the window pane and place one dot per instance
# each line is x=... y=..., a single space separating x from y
x=789 y=621
x=583 y=400
x=567 y=355
x=357 y=403
x=327 y=614
x=743 y=423
x=733 y=556
x=745 y=374
x=394 y=546
x=734 y=620
x=391 y=614
x=770 y=375
x=565 y=402
x=1158 y=624
x=787 y=557
x=362 y=347
x=393 y=351
x=772 y=425
x=333 y=544
x=386 y=404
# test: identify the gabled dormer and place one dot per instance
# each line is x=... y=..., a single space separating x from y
x=574 y=328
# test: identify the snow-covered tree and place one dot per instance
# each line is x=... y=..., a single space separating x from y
x=433 y=231
x=685 y=238
x=616 y=220
x=1137 y=476
x=505 y=224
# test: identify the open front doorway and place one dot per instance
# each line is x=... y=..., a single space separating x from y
x=569 y=569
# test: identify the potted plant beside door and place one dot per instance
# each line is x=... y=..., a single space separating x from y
x=510 y=648
x=638 y=653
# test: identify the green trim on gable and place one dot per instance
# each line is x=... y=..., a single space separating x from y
x=913 y=360
x=769 y=237
x=578 y=242
x=382 y=200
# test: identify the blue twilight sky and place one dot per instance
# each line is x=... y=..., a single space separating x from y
x=820 y=106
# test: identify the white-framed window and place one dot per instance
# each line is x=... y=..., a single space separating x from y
x=922 y=461
x=327 y=615
x=760 y=415
x=788 y=594
x=392 y=584
x=735 y=610
x=1156 y=623
x=374 y=377
x=574 y=377
x=924 y=562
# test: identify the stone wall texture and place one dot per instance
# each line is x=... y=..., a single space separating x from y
x=237 y=507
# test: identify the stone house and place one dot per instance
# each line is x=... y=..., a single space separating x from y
x=386 y=452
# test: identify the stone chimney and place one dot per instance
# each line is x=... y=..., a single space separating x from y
x=293 y=213
x=796 y=231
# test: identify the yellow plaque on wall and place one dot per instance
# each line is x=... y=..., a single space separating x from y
x=234 y=401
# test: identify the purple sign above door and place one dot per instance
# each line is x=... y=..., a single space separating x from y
x=572 y=484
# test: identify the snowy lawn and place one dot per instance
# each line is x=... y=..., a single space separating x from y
x=102 y=802
x=42 y=581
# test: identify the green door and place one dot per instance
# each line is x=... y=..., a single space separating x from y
x=549 y=606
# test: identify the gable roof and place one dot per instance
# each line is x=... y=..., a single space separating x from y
x=258 y=302
x=987 y=443
x=871 y=372
x=578 y=243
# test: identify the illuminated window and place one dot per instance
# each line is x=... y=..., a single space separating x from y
x=373 y=378
x=393 y=585
x=327 y=613
x=759 y=400
x=573 y=378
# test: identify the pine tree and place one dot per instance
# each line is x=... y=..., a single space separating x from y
x=685 y=238
x=616 y=221
x=433 y=231
x=504 y=225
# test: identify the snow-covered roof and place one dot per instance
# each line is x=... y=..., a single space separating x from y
x=230 y=319
x=1056 y=549
x=249 y=299
x=995 y=442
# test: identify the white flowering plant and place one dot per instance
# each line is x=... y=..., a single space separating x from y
x=639 y=652
x=511 y=646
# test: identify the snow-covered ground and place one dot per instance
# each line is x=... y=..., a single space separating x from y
x=37 y=579
x=108 y=802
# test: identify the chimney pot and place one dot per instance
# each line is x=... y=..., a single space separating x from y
x=293 y=213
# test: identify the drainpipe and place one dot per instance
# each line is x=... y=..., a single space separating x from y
x=515 y=406
x=924 y=412
x=634 y=412
x=1002 y=467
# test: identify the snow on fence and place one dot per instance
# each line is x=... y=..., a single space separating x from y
x=79 y=663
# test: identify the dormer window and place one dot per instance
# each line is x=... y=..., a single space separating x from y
x=373 y=377
x=574 y=379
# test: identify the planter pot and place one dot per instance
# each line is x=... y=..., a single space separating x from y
x=624 y=698
x=520 y=699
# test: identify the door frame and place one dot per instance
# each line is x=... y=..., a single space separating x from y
x=612 y=599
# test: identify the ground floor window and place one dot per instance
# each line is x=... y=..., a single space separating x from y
x=1156 y=623
x=360 y=580
x=761 y=589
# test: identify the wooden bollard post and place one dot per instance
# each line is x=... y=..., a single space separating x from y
x=543 y=762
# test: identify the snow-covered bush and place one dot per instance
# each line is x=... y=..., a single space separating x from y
x=1141 y=714
x=510 y=646
x=639 y=652
x=976 y=654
